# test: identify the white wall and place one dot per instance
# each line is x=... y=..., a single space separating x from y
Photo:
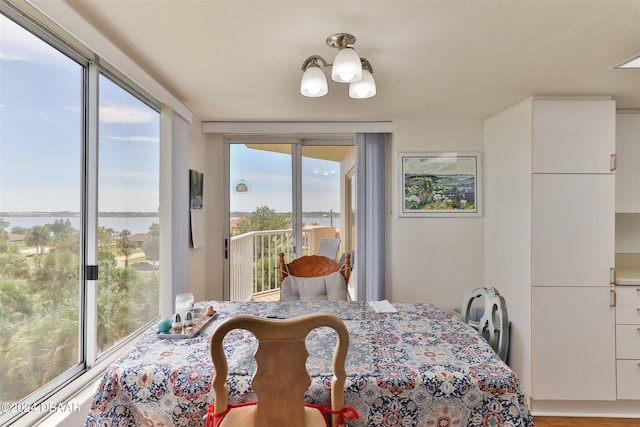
x=434 y=260
x=206 y=263
x=197 y=258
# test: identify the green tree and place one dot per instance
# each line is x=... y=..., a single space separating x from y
x=67 y=240
x=125 y=245
x=265 y=218
x=4 y=236
x=151 y=246
x=39 y=236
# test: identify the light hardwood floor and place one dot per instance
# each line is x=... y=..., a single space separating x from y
x=585 y=422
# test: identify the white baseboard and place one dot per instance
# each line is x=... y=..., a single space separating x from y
x=577 y=408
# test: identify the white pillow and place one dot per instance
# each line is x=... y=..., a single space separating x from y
x=331 y=287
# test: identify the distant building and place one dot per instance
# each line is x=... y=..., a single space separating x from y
x=17 y=238
x=139 y=239
x=233 y=224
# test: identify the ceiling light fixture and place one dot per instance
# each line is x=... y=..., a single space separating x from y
x=347 y=67
x=632 y=63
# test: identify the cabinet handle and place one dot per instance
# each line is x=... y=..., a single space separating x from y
x=614 y=162
x=613 y=277
x=614 y=299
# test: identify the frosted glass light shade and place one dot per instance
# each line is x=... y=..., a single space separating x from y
x=314 y=82
x=364 y=88
x=346 y=66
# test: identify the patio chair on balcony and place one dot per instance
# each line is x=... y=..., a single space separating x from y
x=329 y=248
x=314 y=277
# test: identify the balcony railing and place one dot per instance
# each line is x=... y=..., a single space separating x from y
x=254 y=258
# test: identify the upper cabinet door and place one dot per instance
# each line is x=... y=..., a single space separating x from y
x=628 y=173
x=573 y=136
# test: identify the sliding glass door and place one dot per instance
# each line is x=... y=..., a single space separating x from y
x=260 y=215
x=286 y=195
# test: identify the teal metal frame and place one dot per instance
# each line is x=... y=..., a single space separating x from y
x=497 y=334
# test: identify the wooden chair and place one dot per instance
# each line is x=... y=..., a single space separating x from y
x=281 y=377
x=493 y=324
x=314 y=266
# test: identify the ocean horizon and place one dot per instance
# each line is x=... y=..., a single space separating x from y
x=135 y=224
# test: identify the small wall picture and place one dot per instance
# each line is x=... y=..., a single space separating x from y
x=443 y=184
x=196 y=182
x=196 y=186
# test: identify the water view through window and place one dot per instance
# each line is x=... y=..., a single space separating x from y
x=43 y=141
x=40 y=156
x=128 y=226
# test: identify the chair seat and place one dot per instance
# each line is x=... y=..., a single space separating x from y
x=245 y=416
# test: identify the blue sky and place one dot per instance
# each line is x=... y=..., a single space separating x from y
x=41 y=133
x=268 y=175
x=41 y=137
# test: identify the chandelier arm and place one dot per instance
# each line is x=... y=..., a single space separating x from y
x=313 y=59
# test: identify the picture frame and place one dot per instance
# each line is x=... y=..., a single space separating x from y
x=440 y=184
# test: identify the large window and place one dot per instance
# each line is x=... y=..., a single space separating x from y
x=41 y=123
x=55 y=320
x=128 y=226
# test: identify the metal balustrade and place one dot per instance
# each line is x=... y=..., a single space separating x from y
x=254 y=258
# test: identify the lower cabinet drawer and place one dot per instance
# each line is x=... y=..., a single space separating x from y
x=628 y=315
x=628 y=379
x=627 y=341
x=628 y=295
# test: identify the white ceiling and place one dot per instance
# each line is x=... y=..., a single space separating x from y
x=240 y=60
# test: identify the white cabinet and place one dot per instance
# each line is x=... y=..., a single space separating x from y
x=557 y=157
x=573 y=250
x=573 y=345
x=573 y=136
x=628 y=172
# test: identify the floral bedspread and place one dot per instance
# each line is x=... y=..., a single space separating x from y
x=415 y=367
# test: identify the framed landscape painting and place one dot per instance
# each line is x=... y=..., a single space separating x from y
x=446 y=184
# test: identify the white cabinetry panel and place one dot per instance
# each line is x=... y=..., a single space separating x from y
x=573 y=356
x=627 y=314
x=573 y=136
x=628 y=379
x=573 y=229
x=629 y=295
x=628 y=172
x=628 y=342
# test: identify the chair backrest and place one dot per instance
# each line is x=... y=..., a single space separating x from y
x=314 y=266
x=281 y=378
x=329 y=248
x=494 y=322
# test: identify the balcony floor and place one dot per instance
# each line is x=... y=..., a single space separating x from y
x=268 y=296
